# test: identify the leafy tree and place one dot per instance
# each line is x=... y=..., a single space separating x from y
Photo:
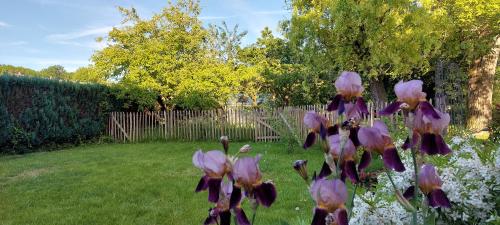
x=224 y=42
x=167 y=54
x=474 y=40
x=87 y=74
x=375 y=38
x=55 y=71
x=17 y=70
x=285 y=76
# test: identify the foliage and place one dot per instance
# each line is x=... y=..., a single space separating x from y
x=87 y=74
x=17 y=70
x=284 y=75
x=375 y=38
x=38 y=112
x=55 y=71
x=472 y=28
x=167 y=54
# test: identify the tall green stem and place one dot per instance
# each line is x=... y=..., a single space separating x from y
x=415 y=197
x=415 y=167
x=352 y=201
x=254 y=214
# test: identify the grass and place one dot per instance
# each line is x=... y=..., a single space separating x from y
x=148 y=183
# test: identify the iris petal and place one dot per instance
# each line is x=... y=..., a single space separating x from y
x=392 y=160
x=366 y=158
x=325 y=170
x=310 y=139
x=429 y=144
x=428 y=110
x=214 y=185
x=334 y=105
x=409 y=193
x=342 y=218
x=225 y=217
x=350 y=170
x=353 y=135
x=202 y=185
x=360 y=103
x=235 y=198
x=442 y=147
x=266 y=193
x=439 y=199
x=319 y=217
x=390 y=109
x=333 y=130
x=241 y=217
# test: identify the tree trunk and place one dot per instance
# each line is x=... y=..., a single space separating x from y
x=379 y=95
x=481 y=79
x=440 y=92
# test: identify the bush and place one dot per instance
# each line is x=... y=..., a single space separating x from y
x=36 y=112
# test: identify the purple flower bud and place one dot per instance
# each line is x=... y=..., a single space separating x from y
x=301 y=167
x=245 y=148
x=224 y=140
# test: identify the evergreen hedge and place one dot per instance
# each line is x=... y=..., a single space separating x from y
x=37 y=112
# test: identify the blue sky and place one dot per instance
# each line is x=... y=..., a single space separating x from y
x=40 y=33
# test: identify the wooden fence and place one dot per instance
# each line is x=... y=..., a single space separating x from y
x=239 y=124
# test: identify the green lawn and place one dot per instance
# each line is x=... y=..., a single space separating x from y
x=150 y=183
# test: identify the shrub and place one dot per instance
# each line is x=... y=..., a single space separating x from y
x=36 y=112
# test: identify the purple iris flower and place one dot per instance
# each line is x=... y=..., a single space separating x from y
x=410 y=97
x=430 y=184
x=215 y=165
x=248 y=177
x=430 y=130
x=347 y=164
x=349 y=89
x=377 y=138
x=330 y=197
x=221 y=214
x=317 y=124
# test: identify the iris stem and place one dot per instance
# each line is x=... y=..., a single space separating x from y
x=342 y=144
x=254 y=214
x=391 y=180
x=415 y=197
x=415 y=167
x=352 y=201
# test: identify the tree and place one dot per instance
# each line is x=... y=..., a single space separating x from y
x=17 y=70
x=55 y=71
x=475 y=41
x=87 y=74
x=378 y=39
x=285 y=76
x=224 y=42
x=167 y=54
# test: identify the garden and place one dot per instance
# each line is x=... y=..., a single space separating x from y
x=358 y=112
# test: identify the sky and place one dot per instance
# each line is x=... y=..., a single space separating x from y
x=40 y=33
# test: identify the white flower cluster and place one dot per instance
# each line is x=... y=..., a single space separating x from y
x=467 y=180
x=371 y=208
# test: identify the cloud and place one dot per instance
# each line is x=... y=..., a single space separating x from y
x=99 y=31
x=4 y=24
x=14 y=43
x=83 y=38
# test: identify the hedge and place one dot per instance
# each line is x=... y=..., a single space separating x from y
x=37 y=112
